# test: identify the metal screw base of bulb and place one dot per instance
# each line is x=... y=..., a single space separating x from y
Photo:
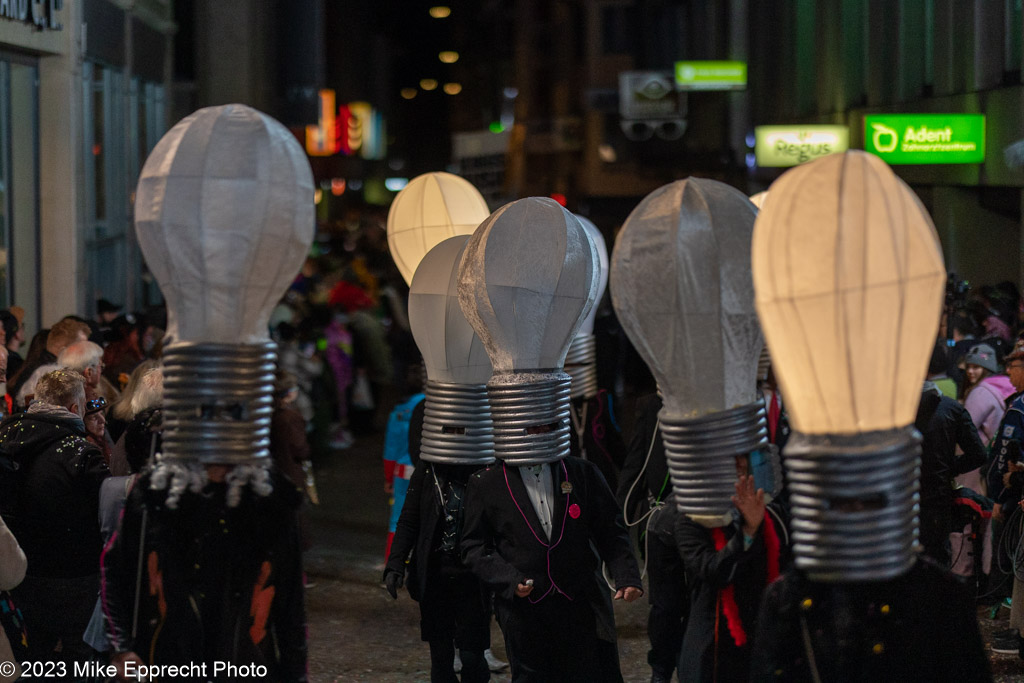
x=218 y=399
x=523 y=401
x=855 y=503
x=581 y=365
x=452 y=407
x=701 y=452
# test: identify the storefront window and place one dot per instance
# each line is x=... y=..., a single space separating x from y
x=19 y=185
x=124 y=123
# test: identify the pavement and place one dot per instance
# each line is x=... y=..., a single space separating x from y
x=357 y=633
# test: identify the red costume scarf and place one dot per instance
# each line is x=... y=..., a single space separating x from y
x=727 y=595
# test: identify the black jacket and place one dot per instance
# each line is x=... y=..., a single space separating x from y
x=945 y=424
x=418 y=532
x=655 y=482
x=921 y=626
x=708 y=571
x=56 y=491
x=218 y=583
x=501 y=549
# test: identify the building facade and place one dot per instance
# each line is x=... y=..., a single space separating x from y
x=82 y=102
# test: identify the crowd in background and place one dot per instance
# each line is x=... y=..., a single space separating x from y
x=347 y=357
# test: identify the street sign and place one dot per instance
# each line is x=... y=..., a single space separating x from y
x=779 y=146
x=709 y=75
x=926 y=138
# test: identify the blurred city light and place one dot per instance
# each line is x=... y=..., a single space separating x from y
x=408 y=93
x=440 y=11
x=453 y=88
x=448 y=56
x=395 y=184
x=428 y=84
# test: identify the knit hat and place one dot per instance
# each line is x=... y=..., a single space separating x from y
x=983 y=356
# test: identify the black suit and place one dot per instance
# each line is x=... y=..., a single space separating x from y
x=549 y=635
x=452 y=602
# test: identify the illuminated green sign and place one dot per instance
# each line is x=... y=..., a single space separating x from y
x=711 y=75
x=791 y=145
x=926 y=138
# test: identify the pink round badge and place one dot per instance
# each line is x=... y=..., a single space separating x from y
x=574 y=511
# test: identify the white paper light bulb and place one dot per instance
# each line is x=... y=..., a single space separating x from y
x=759 y=199
x=849 y=277
x=224 y=215
x=682 y=289
x=528 y=278
x=529 y=275
x=452 y=351
x=429 y=210
x=457 y=426
x=602 y=254
x=581 y=359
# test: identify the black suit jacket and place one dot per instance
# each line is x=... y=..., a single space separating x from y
x=503 y=543
x=419 y=526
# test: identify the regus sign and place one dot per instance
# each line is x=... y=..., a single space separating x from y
x=926 y=138
x=779 y=146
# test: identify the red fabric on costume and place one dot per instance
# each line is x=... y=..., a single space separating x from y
x=727 y=595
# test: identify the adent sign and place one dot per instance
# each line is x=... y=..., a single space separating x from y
x=926 y=138
x=780 y=146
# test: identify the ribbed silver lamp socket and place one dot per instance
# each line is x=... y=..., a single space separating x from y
x=581 y=365
x=701 y=457
x=218 y=400
x=855 y=503
x=530 y=412
x=457 y=427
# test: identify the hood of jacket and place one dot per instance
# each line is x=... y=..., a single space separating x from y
x=999 y=384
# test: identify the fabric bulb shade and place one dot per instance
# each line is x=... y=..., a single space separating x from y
x=224 y=215
x=682 y=289
x=850 y=280
x=457 y=426
x=602 y=284
x=681 y=286
x=452 y=351
x=849 y=277
x=529 y=276
x=429 y=210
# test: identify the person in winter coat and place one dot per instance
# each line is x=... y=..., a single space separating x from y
x=727 y=569
x=944 y=425
x=987 y=390
x=52 y=507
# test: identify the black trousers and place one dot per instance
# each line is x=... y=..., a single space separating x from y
x=670 y=604
x=453 y=613
x=553 y=641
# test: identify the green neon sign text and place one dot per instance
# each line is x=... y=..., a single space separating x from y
x=709 y=75
x=926 y=138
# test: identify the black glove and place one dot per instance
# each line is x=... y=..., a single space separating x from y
x=392 y=582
